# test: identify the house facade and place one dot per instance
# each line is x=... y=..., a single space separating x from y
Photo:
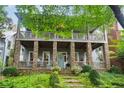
x=33 y=53
x=6 y=45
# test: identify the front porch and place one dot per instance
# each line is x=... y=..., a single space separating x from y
x=46 y=54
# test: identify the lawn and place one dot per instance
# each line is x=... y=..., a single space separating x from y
x=26 y=81
x=41 y=80
x=108 y=80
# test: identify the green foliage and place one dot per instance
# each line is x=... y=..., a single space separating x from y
x=63 y=19
x=115 y=69
x=120 y=50
x=2 y=14
x=54 y=79
x=76 y=70
x=94 y=77
x=10 y=71
x=111 y=80
x=10 y=63
x=56 y=68
x=84 y=78
x=86 y=68
x=1 y=63
x=27 y=81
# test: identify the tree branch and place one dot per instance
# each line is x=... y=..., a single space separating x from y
x=118 y=14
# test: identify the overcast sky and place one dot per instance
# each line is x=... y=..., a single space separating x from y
x=10 y=11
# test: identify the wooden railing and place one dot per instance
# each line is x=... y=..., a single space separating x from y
x=26 y=64
x=75 y=36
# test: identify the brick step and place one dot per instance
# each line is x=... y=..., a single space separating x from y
x=72 y=81
x=74 y=85
x=70 y=77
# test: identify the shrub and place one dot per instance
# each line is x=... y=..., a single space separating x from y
x=76 y=70
x=115 y=69
x=58 y=69
x=10 y=71
x=54 y=79
x=1 y=65
x=94 y=77
x=86 y=68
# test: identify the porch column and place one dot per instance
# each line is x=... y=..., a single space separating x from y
x=55 y=63
x=72 y=53
x=17 y=53
x=35 y=55
x=106 y=55
x=89 y=53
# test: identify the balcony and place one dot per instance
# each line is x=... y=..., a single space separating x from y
x=75 y=36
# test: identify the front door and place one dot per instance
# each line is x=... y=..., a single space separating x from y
x=30 y=59
x=62 y=59
x=46 y=58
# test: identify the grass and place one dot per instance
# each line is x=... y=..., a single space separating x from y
x=112 y=80
x=27 y=81
x=108 y=80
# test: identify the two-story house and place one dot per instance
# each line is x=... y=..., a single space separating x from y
x=33 y=53
x=6 y=45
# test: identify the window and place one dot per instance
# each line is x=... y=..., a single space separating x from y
x=30 y=56
x=65 y=56
x=77 y=56
x=9 y=44
x=46 y=57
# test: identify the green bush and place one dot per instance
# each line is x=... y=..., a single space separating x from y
x=1 y=63
x=94 y=77
x=86 y=68
x=115 y=69
x=76 y=70
x=10 y=71
x=54 y=79
x=58 y=69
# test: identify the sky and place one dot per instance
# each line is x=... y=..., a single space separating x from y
x=11 y=13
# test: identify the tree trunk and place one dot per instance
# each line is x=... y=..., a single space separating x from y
x=118 y=14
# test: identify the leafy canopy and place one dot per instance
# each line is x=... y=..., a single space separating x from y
x=63 y=19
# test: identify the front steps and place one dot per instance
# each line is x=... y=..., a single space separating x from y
x=72 y=82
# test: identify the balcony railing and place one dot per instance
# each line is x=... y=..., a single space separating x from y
x=75 y=36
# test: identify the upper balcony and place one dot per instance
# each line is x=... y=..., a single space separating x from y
x=96 y=36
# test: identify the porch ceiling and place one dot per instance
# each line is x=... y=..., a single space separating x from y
x=63 y=45
x=45 y=44
x=96 y=45
x=27 y=44
x=80 y=45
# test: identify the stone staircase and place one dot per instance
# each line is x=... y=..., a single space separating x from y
x=72 y=82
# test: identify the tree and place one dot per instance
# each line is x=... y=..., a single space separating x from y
x=118 y=14
x=2 y=19
x=63 y=19
x=5 y=22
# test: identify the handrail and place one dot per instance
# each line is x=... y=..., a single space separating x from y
x=75 y=36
